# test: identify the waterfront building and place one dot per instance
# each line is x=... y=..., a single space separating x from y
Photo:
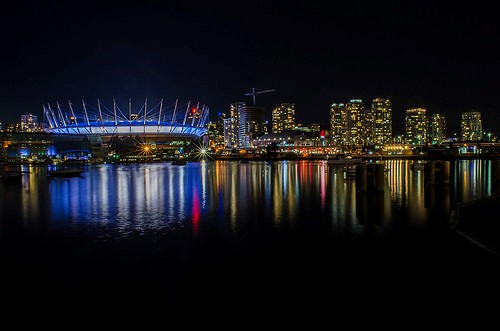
x=283 y=118
x=471 y=126
x=229 y=139
x=416 y=126
x=148 y=132
x=338 y=120
x=247 y=123
x=311 y=127
x=355 y=123
x=347 y=124
x=26 y=147
x=437 y=129
x=219 y=130
x=29 y=123
x=211 y=133
x=378 y=122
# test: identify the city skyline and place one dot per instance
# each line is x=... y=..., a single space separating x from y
x=390 y=132
x=434 y=56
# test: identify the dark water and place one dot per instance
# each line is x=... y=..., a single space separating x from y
x=229 y=230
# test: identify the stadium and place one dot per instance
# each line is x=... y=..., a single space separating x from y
x=131 y=133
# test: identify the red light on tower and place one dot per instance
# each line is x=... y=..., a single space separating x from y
x=193 y=110
x=322 y=134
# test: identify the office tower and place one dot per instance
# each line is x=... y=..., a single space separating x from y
x=29 y=123
x=338 y=123
x=247 y=123
x=437 y=129
x=229 y=140
x=219 y=130
x=378 y=122
x=354 y=125
x=416 y=126
x=471 y=126
x=283 y=118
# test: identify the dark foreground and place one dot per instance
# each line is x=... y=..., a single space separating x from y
x=289 y=269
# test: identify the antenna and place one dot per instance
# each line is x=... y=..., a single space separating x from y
x=257 y=91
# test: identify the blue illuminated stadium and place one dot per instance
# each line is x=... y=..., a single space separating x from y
x=174 y=120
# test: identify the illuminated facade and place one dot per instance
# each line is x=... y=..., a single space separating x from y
x=338 y=123
x=251 y=124
x=246 y=123
x=378 y=122
x=29 y=123
x=216 y=132
x=347 y=123
x=416 y=126
x=283 y=118
x=355 y=123
x=229 y=140
x=186 y=122
x=471 y=126
x=437 y=129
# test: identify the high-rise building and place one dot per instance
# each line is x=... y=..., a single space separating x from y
x=219 y=130
x=251 y=124
x=283 y=118
x=247 y=123
x=471 y=126
x=338 y=123
x=437 y=129
x=211 y=133
x=347 y=123
x=355 y=123
x=29 y=123
x=229 y=140
x=378 y=122
x=416 y=126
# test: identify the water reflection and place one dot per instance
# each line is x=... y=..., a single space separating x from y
x=249 y=198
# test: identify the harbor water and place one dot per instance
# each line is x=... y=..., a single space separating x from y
x=233 y=231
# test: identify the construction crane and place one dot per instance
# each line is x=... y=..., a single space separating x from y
x=256 y=91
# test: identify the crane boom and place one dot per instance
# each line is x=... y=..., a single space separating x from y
x=255 y=91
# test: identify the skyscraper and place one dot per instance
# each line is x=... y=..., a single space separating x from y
x=347 y=123
x=246 y=124
x=471 y=126
x=437 y=129
x=283 y=118
x=378 y=122
x=355 y=120
x=338 y=123
x=416 y=126
x=219 y=130
x=229 y=141
x=29 y=123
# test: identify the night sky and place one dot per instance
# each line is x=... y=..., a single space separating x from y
x=443 y=57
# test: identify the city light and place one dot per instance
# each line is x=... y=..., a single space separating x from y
x=201 y=151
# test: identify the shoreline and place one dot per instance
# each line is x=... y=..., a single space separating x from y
x=443 y=157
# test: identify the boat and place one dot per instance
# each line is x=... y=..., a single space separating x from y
x=179 y=162
x=345 y=160
x=65 y=172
